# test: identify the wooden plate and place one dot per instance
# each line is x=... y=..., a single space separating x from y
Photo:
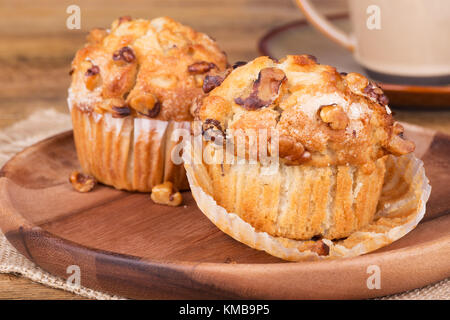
x=298 y=37
x=126 y=245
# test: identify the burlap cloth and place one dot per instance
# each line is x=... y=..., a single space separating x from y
x=38 y=127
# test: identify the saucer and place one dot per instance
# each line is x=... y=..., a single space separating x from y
x=299 y=37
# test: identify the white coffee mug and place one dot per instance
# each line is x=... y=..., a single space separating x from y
x=404 y=39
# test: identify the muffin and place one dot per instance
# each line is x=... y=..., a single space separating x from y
x=132 y=86
x=328 y=137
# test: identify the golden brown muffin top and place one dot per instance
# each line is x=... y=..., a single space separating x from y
x=321 y=117
x=144 y=68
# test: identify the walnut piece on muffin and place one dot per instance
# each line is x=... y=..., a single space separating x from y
x=334 y=133
x=154 y=67
x=338 y=119
x=132 y=85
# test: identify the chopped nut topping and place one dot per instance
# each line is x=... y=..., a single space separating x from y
x=82 y=182
x=124 y=54
x=355 y=82
x=320 y=248
x=305 y=60
x=212 y=131
x=211 y=82
x=166 y=194
x=375 y=93
x=398 y=129
x=201 y=67
x=108 y=104
x=265 y=89
x=152 y=113
x=397 y=145
x=120 y=112
x=92 y=77
x=292 y=151
x=92 y=71
x=214 y=80
x=268 y=83
x=211 y=124
x=146 y=104
x=334 y=116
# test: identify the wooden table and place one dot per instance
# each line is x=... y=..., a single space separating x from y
x=36 y=49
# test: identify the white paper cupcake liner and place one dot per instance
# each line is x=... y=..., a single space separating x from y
x=127 y=153
x=396 y=216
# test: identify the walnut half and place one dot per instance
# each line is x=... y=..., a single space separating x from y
x=165 y=193
x=201 y=67
x=214 y=79
x=82 y=182
x=292 y=151
x=124 y=54
x=374 y=92
x=265 y=89
x=334 y=116
x=212 y=131
x=146 y=104
x=92 y=77
x=397 y=145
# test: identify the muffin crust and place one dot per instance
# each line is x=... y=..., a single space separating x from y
x=322 y=117
x=144 y=69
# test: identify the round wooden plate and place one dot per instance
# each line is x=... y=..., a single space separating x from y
x=299 y=37
x=127 y=245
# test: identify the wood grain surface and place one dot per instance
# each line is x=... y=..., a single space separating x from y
x=125 y=244
x=36 y=49
x=16 y=287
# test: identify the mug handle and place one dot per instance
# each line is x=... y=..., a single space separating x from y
x=323 y=25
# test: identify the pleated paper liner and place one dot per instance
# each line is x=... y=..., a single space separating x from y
x=401 y=206
x=127 y=153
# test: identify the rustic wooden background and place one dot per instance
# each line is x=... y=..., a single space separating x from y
x=36 y=49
